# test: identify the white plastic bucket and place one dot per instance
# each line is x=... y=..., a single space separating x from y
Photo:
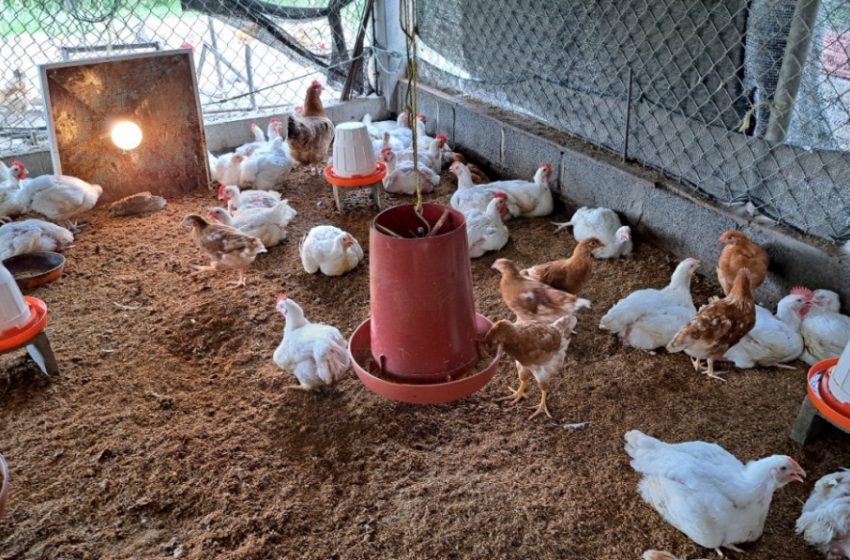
x=352 y=151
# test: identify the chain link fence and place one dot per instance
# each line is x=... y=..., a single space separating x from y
x=250 y=55
x=745 y=101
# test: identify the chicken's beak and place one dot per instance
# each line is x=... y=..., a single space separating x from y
x=799 y=474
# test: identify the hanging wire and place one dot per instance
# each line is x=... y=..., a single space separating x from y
x=411 y=32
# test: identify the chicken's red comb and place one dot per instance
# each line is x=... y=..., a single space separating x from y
x=546 y=165
x=316 y=84
x=500 y=195
x=221 y=192
x=280 y=298
x=803 y=292
x=299 y=109
x=386 y=150
x=187 y=45
x=274 y=119
x=421 y=117
x=442 y=137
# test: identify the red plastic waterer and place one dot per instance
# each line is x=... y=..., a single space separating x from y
x=423 y=333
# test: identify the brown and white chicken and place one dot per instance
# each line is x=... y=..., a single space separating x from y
x=478 y=176
x=718 y=326
x=740 y=252
x=568 y=275
x=531 y=300
x=539 y=350
x=310 y=132
x=226 y=247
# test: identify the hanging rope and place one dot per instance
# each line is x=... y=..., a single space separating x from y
x=411 y=33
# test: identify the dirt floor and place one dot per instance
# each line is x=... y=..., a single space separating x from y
x=168 y=433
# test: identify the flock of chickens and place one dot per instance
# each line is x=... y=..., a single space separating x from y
x=699 y=488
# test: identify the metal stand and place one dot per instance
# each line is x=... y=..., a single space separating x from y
x=376 y=195
x=42 y=354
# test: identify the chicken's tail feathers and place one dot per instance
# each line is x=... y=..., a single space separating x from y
x=566 y=324
x=658 y=555
x=285 y=212
x=582 y=303
x=367 y=119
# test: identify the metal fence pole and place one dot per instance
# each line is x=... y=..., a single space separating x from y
x=791 y=72
x=249 y=74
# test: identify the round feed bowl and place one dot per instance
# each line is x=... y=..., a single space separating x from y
x=32 y=270
x=818 y=391
x=15 y=338
x=358 y=180
x=420 y=393
x=4 y=485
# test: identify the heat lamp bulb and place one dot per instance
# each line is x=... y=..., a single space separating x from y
x=126 y=135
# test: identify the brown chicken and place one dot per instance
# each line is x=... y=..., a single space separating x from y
x=478 y=176
x=539 y=350
x=310 y=131
x=740 y=252
x=531 y=300
x=718 y=326
x=568 y=275
x=227 y=247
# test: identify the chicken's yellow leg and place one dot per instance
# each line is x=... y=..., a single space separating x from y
x=542 y=406
x=517 y=394
x=711 y=373
x=242 y=280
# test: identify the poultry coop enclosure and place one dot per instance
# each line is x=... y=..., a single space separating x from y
x=742 y=101
x=250 y=56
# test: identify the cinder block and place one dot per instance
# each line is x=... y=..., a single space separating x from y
x=479 y=135
x=523 y=153
x=586 y=181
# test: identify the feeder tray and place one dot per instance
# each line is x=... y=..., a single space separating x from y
x=372 y=181
x=32 y=270
x=32 y=336
x=820 y=407
x=4 y=485
x=419 y=393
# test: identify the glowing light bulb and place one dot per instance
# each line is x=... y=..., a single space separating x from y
x=126 y=135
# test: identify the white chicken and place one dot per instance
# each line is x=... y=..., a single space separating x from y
x=485 y=231
x=773 y=340
x=258 y=143
x=228 y=168
x=377 y=129
x=12 y=200
x=825 y=521
x=387 y=141
x=470 y=196
x=706 y=492
x=605 y=225
x=266 y=224
x=532 y=198
x=825 y=331
x=238 y=200
x=400 y=177
x=267 y=167
x=330 y=250
x=28 y=236
x=431 y=156
x=650 y=318
x=59 y=197
x=316 y=354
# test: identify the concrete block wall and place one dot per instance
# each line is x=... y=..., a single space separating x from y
x=660 y=210
x=223 y=136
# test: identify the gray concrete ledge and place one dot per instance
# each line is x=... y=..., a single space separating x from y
x=223 y=136
x=662 y=211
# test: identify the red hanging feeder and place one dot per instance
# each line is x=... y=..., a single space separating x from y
x=423 y=333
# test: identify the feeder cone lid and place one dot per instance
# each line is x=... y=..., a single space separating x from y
x=839 y=379
x=14 y=311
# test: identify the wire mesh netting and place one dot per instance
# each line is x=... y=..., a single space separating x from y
x=745 y=101
x=250 y=55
